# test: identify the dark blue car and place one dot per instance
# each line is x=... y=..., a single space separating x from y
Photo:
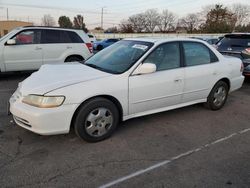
x=99 y=45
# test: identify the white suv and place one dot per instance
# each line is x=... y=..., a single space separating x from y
x=27 y=48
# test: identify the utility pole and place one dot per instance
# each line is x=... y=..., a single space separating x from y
x=7 y=14
x=102 y=17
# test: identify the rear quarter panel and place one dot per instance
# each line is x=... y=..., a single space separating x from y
x=232 y=67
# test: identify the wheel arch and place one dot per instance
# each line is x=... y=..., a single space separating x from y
x=227 y=81
x=108 y=97
x=74 y=55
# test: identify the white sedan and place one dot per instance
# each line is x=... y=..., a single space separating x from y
x=132 y=78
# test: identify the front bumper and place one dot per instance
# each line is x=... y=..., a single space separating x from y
x=43 y=121
x=236 y=83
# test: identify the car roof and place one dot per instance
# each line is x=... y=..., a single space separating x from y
x=161 y=39
x=49 y=27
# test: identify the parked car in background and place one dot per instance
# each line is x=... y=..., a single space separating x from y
x=132 y=78
x=209 y=40
x=99 y=45
x=27 y=48
x=237 y=45
x=92 y=37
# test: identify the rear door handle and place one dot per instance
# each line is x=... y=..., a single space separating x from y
x=178 y=80
x=215 y=73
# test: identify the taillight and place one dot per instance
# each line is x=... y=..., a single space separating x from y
x=90 y=47
x=242 y=67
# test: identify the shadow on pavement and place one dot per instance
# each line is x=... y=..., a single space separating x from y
x=15 y=75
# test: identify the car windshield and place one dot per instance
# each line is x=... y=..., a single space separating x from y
x=235 y=41
x=119 y=57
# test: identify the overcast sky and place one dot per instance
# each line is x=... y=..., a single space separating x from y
x=114 y=10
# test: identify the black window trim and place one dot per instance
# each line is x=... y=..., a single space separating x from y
x=24 y=30
x=211 y=53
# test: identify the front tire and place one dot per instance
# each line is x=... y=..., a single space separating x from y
x=96 y=120
x=218 y=96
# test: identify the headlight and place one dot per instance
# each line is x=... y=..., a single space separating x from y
x=44 y=101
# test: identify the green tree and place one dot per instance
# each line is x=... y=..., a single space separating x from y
x=79 y=23
x=219 y=20
x=65 y=22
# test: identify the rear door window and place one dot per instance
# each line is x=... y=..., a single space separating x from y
x=51 y=36
x=60 y=36
x=197 y=54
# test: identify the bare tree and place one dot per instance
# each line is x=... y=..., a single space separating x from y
x=152 y=18
x=190 y=22
x=241 y=12
x=126 y=27
x=166 y=21
x=48 y=20
x=138 y=22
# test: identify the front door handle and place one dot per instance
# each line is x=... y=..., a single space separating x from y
x=69 y=47
x=38 y=48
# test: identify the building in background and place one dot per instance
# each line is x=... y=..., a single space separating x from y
x=7 y=26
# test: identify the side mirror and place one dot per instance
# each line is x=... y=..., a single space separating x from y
x=11 y=42
x=145 y=68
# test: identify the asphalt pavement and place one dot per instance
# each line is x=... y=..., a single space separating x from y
x=187 y=147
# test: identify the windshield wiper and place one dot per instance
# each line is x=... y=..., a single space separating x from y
x=93 y=66
x=102 y=69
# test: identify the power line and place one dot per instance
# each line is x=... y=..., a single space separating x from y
x=51 y=8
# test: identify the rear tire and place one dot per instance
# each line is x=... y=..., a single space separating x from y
x=218 y=96
x=99 y=47
x=96 y=120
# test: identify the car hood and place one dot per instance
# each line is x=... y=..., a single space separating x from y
x=52 y=77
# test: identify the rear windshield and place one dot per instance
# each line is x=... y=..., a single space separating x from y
x=235 y=41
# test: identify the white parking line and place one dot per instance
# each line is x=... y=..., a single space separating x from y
x=158 y=165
